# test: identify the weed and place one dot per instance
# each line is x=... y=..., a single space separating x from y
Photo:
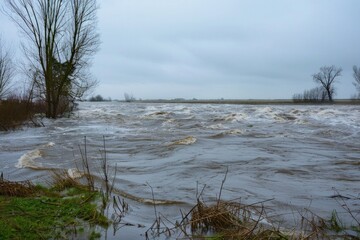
x=335 y=223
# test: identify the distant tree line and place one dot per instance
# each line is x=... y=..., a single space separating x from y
x=325 y=91
x=98 y=98
x=313 y=95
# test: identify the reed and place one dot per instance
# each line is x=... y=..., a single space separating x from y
x=61 y=180
x=16 y=189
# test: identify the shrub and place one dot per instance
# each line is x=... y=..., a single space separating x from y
x=15 y=112
x=97 y=98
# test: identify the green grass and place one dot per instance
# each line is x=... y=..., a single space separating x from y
x=52 y=214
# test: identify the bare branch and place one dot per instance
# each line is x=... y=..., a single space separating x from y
x=6 y=71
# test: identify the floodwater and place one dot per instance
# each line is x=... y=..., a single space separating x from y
x=300 y=156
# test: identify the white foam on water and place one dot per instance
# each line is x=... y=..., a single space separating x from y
x=27 y=160
x=235 y=117
x=234 y=132
x=265 y=110
x=229 y=132
x=50 y=144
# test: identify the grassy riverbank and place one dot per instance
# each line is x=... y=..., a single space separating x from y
x=70 y=210
x=66 y=210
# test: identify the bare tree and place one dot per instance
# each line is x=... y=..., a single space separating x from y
x=6 y=71
x=129 y=97
x=326 y=78
x=61 y=38
x=356 y=76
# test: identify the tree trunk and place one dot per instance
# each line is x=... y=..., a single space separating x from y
x=329 y=95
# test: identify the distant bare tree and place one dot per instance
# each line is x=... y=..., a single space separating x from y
x=356 y=76
x=6 y=71
x=129 y=97
x=61 y=38
x=326 y=78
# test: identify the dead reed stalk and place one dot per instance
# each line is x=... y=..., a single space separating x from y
x=105 y=173
x=62 y=180
x=86 y=166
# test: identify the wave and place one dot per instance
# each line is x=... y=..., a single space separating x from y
x=158 y=114
x=28 y=159
x=233 y=117
x=284 y=117
x=228 y=132
x=185 y=141
x=215 y=126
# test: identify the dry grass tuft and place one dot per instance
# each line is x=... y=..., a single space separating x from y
x=16 y=189
x=61 y=180
x=232 y=220
x=219 y=217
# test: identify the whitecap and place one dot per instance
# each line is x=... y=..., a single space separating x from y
x=234 y=132
x=185 y=141
x=50 y=144
x=265 y=110
x=235 y=117
x=228 y=132
x=27 y=160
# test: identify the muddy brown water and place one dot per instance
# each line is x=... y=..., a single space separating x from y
x=300 y=156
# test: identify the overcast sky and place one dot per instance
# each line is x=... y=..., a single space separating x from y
x=220 y=49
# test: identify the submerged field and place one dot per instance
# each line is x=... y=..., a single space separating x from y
x=298 y=156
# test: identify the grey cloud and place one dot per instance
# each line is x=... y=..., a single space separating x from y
x=186 y=48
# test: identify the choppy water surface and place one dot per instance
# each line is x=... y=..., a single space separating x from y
x=301 y=156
